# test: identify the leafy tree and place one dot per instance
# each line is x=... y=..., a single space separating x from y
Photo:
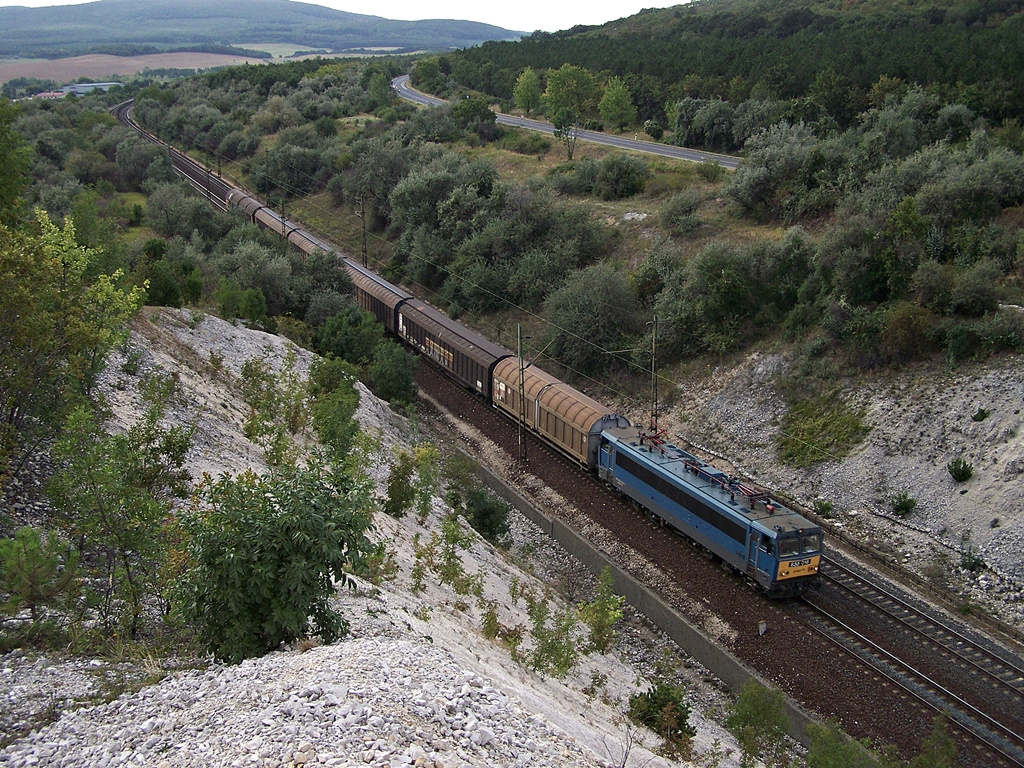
x=759 y=723
x=351 y=335
x=616 y=107
x=570 y=98
x=58 y=319
x=590 y=315
x=602 y=613
x=264 y=554
x=527 y=92
x=391 y=373
x=112 y=498
x=15 y=156
x=380 y=91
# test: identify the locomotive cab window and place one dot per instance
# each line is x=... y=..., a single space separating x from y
x=811 y=543
x=766 y=543
x=789 y=547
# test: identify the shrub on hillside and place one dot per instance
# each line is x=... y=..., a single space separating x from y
x=264 y=554
x=620 y=176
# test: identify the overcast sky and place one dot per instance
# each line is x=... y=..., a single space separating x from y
x=522 y=15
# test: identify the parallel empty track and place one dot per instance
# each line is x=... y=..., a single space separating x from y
x=979 y=687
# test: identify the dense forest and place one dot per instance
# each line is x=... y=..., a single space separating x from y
x=822 y=56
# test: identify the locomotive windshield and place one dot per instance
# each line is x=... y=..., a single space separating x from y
x=811 y=543
x=789 y=547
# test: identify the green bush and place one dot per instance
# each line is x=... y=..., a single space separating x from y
x=980 y=415
x=906 y=334
x=831 y=748
x=664 y=710
x=620 y=176
x=333 y=418
x=654 y=129
x=401 y=491
x=758 y=720
x=679 y=213
x=584 y=330
x=602 y=613
x=525 y=143
x=488 y=515
x=711 y=171
x=971 y=560
x=556 y=647
x=960 y=469
x=574 y=178
x=391 y=373
x=352 y=334
x=903 y=504
x=263 y=554
x=35 y=570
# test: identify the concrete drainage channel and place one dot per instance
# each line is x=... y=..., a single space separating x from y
x=716 y=660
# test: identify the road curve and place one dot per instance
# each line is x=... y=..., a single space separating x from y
x=407 y=92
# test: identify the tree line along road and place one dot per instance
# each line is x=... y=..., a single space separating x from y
x=407 y=92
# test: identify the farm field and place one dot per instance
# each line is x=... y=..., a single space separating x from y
x=101 y=66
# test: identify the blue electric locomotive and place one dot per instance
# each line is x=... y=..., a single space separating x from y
x=777 y=549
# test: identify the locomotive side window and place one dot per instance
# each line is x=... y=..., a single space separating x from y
x=812 y=543
x=789 y=547
x=766 y=543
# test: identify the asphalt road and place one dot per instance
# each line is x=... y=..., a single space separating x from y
x=406 y=91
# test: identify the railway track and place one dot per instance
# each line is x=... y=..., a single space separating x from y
x=979 y=689
x=1005 y=674
x=201 y=178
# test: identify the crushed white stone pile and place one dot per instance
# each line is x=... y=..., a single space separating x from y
x=380 y=701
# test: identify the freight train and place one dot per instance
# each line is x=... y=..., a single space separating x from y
x=777 y=549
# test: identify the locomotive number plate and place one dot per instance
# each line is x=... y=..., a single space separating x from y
x=798 y=563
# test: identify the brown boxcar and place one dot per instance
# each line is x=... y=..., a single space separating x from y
x=563 y=416
x=463 y=354
x=376 y=295
x=305 y=242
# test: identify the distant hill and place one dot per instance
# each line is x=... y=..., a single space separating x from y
x=150 y=26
